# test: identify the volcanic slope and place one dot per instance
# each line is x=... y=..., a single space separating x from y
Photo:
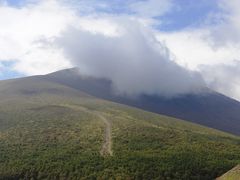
x=208 y=108
x=51 y=131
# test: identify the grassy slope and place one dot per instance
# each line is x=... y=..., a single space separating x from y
x=45 y=132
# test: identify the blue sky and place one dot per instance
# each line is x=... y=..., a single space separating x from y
x=188 y=13
x=15 y=3
x=7 y=73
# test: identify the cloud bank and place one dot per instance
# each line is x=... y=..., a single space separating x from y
x=132 y=59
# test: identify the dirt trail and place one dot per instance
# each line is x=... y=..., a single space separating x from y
x=107 y=145
x=106 y=149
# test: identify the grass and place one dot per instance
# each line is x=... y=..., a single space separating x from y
x=51 y=136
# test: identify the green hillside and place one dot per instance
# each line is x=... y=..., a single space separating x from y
x=50 y=131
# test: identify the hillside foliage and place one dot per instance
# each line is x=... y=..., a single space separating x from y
x=55 y=136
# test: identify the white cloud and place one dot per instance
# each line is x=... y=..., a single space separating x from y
x=224 y=78
x=134 y=60
x=194 y=47
x=226 y=32
x=22 y=27
x=211 y=46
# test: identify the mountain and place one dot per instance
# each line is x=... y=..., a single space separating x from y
x=53 y=130
x=210 y=108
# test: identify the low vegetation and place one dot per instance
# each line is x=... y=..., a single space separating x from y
x=45 y=136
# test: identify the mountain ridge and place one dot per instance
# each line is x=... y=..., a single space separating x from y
x=210 y=108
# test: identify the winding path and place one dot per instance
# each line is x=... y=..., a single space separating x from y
x=107 y=145
x=106 y=149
